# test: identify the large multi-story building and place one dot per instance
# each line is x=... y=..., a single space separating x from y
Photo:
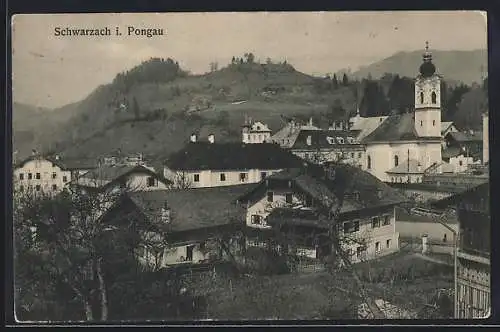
x=48 y=174
x=296 y=202
x=210 y=164
x=473 y=270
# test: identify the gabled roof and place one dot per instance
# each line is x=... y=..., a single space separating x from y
x=346 y=181
x=366 y=125
x=106 y=175
x=193 y=209
x=259 y=127
x=464 y=136
x=232 y=156
x=324 y=139
x=445 y=125
x=407 y=167
x=397 y=127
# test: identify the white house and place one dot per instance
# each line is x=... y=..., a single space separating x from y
x=298 y=199
x=411 y=138
x=48 y=174
x=255 y=132
x=210 y=164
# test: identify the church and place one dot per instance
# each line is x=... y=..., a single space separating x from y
x=402 y=146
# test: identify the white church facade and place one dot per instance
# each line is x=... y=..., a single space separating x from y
x=402 y=146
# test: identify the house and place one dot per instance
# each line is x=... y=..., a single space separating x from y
x=473 y=272
x=414 y=137
x=320 y=146
x=299 y=201
x=188 y=224
x=447 y=127
x=49 y=174
x=210 y=164
x=486 y=139
x=414 y=224
x=468 y=144
x=365 y=125
x=255 y=132
x=287 y=135
x=131 y=178
x=119 y=159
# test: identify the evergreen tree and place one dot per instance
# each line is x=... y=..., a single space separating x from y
x=345 y=80
x=136 y=109
x=335 y=82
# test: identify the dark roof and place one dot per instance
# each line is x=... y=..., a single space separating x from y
x=195 y=208
x=66 y=164
x=348 y=182
x=397 y=127
x=404 y=215
x=296 y=217
x=451 y=151
x=232 y=156
x=461 y=136
x=474 y=193
x=323 y=139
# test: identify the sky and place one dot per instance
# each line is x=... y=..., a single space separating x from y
x=52 y=71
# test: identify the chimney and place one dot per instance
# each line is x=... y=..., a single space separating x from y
x=57 y=157
x=193 y=138
x=310 y=121
x=211 y=138
x=33 y=152
x=165 y=213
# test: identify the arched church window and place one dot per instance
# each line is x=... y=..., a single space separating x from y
x=396 y=161
x=369 y=162
x=421 y=123
x=433 y=97
x=421 y=97
x=433 y=122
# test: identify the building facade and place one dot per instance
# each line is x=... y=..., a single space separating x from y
x=293 y=200
x=48 y=175
x=255 y=132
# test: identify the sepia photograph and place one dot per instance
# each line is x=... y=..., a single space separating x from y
x=250 y=166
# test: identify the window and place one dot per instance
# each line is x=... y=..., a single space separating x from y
x=65 y=178
x=360 y=155
x=377 y=246
x=308 y=202
x=54 y=187
x=375 y=222
x=37 y=187
x=369 y=162
x=222 y=177
x=388 y=243
x=196 y=177
x=189 y=253
x=21 y=176
x=21 y=188
x=151 y=181
x=352 y=154
x=387 y=220
x=396 y=161
x=243 y=177
x=351 y=226
x=256 y=219
x=421 y=123
x=263 y=175
x=270 y=196
x=54 y=175
x=460 y=163
x=38 y=176
x=30 y=176
x=433 y=122
x=289 y=198
x=433 y=97
x=421 y=97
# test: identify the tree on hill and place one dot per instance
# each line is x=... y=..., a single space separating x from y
x=453 y=99
x=400 y=94
x=345 y=80
x=374 y=102
x=136 y=109
x=335 y=82
x=214 y=66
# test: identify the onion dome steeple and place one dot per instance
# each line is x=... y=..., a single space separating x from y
x=427 y=68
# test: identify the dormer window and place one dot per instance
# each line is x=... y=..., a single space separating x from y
x=340 y=140
x=330 y=140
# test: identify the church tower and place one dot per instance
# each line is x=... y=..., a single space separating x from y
x=428 y=98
